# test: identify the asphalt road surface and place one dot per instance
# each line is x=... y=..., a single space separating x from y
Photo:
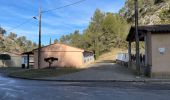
x=16 y=89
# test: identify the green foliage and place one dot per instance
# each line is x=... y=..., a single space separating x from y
x=109 y=30
x=2 y=31
x=159 y=1
x=13 y=43
x=4 y=57
x=65 y=39
x=105 y=31
x=50 y=41
x=75 y=39
x=12 y=36
x=128 y=10
x=56 y=41
x=165 y=16
x=115 y=29
x=147 y=10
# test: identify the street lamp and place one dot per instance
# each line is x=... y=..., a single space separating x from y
x=137 y=37
x=35 y=17
x=39 y=42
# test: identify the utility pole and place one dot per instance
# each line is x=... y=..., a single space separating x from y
x=137 y=38
x=39 y=45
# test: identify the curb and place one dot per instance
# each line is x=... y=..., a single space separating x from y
x=142 y=80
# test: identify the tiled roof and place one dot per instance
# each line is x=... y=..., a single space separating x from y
x=154 y=29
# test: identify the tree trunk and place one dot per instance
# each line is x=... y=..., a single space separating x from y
x=3 y=63
x=50 y=64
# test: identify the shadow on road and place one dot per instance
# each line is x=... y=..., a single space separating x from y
x=106 y=61
x=103 y=70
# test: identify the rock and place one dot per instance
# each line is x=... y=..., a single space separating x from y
x=149 y=14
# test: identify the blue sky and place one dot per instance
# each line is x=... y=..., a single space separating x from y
x=54 y=24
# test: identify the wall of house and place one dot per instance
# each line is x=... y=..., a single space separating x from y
x=67 y=56
x=14 y=62
x=160 y=60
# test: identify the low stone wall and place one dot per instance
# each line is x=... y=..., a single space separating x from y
x=161 y=75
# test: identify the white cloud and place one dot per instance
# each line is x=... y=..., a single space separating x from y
x=55 y=23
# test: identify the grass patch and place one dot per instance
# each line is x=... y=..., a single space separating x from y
x=43 y=73
x=8 y=70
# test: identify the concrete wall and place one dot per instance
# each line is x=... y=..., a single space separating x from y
x=88 y=60
x=31 y=60
x=67 y=56
x=14 y=62
x=160 y=61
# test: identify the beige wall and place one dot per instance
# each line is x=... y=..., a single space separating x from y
x=14 y=62
x=67 y=56
x=160 y=62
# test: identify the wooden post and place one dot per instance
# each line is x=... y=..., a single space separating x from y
x=129 y=52
x=137 y=38
x=28 y=60
x=146 y=51
x=39 y=38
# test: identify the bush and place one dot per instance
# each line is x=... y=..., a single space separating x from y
x=4 y=57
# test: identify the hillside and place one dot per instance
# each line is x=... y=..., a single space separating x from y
x=12 y=43
x=110 y=56
x=150 y=12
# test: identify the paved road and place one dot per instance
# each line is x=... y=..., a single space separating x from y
x=15 y=89
x=100 y=71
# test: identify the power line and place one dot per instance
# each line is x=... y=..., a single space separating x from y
x=28 y=20
x=78 y=2
x=21 y=24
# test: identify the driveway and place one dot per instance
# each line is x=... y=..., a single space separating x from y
x=100 y=71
